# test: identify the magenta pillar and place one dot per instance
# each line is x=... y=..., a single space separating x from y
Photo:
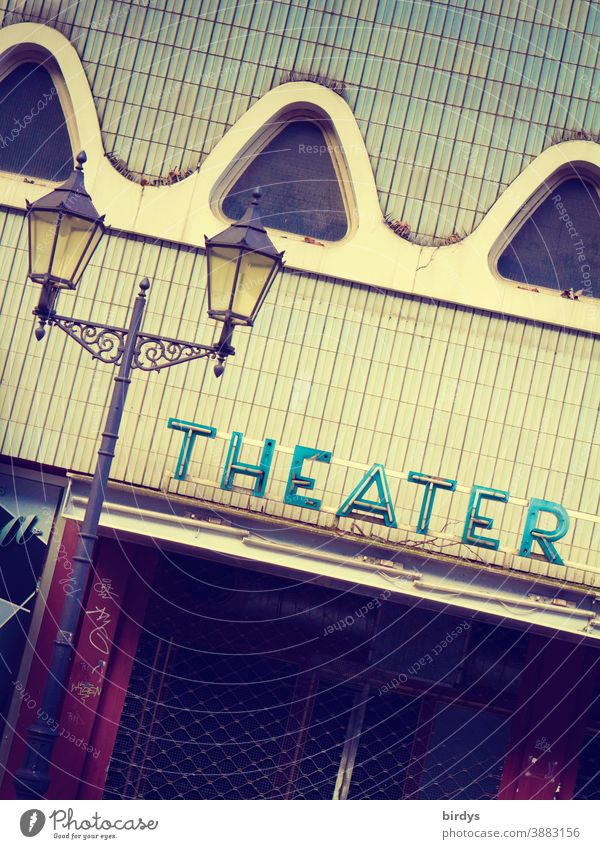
x=548 y=725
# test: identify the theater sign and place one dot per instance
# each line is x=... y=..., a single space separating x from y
x=369 y=499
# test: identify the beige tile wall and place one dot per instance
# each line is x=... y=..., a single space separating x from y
x=372 y=376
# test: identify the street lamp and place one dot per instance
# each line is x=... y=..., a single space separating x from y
x=242 y=264
x=64 y=231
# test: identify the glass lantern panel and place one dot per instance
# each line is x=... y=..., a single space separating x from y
x=73 y=237
x=255 y=270
x=222 y=271
x=42 y=230
x=91 y=247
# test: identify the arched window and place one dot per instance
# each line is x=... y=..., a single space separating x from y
x=558 y=246
x=34 y=139
x=301 y=188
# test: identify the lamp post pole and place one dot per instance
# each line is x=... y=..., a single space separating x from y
x=240 y=273
x=33 y=779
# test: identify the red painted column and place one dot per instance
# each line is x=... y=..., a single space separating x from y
x=549 y=722
x=108 y=718
x=103 y=609
x=105 y=648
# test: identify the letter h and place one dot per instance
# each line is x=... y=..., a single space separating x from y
x=234 y=467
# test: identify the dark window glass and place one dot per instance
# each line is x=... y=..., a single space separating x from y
x=34 y=139
x=559 y=245
x=465 y=754
x=588 y=776
x=26 y=510
x=301 y=191
x=404 y=636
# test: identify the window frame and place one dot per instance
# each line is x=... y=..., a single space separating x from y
x=28 y=53
x=574 y=170
x=266 y=134
x=371 y=255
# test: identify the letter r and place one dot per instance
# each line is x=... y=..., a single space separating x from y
x=544 y=538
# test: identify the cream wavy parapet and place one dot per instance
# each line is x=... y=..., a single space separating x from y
x=462 y=273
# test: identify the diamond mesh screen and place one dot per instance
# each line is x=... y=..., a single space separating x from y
x=34 y=138
x=385 y=747
x=301 y=187
x=220 y=736
x=465 y=754
x=210 y=712
x=241 y=689
x=322 y=749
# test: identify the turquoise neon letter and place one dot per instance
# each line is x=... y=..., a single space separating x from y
x=545 y=539
x=190 y=430
x=475 y=520
x=381 y=509
x=431 y=484
x=234 y=467
x=296 y=479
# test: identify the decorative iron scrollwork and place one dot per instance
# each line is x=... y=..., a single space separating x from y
x=103 y=341
x=153 y=353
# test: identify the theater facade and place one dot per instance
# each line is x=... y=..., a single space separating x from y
x=365 y=561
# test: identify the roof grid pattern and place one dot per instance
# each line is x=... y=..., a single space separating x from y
x=453 y=99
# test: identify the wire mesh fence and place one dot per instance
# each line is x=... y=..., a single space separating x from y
x=241 y=689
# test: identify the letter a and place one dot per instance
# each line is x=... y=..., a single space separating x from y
x=374 y=510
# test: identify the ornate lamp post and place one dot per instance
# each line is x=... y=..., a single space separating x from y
x=64 y=231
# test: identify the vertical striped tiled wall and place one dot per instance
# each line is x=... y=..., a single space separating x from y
x=372 y=376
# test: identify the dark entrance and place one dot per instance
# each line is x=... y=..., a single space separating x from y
x=248 y=686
